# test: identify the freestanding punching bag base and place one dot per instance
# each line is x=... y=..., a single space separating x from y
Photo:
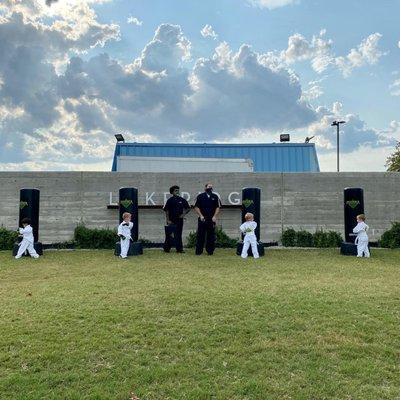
x=260 y=248
x=353 y=206
x=135 y=249
x=348 y=249
x=37 y=246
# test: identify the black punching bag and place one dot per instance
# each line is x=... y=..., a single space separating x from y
x=251 y=203
x=353 y=206
x=251 y=200
x=29 y=208
x=128 y=202
x=29 y=200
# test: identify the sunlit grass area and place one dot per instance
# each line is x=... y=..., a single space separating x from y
x=296 y=324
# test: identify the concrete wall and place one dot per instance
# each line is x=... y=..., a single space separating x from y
x=309 y=200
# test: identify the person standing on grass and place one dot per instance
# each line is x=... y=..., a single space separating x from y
x=27 y=239
x=250 y=239
x=362 y=238
x=175 y=209
x=207 y=207
x=124 y=233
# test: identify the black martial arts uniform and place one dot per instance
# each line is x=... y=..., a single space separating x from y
x=175 y=207
x=207 y=204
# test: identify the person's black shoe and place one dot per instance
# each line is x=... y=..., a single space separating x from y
x=180 y=251
x=166 y=251
x=210 y=254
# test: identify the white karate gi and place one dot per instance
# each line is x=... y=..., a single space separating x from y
x=250 y=238
x=125 y=230
x=27 y=242
x=361 y=239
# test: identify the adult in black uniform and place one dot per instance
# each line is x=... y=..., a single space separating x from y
x=207 y=207
x=175 y=209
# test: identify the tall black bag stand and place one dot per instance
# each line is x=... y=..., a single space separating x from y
x=251 y=203
x=128 y=202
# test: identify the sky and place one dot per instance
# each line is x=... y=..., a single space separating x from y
x=74 y=73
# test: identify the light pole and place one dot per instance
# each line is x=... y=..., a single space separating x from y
x=337 y=124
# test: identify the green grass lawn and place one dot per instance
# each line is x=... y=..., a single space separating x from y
x=306 y=324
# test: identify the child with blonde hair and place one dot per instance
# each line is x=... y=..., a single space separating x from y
x=250 y=239
x=124 y=233
x=362 y=238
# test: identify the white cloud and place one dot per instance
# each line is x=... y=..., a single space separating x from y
x=318 y=50
x=271 y=4
x=366 y=53
x=312 y=93
x=168 y=50
x=134 y=21
x=395 y=88
x=320 y=53
x=393 y=131
x=208 y=31
x=60 y=110
x=31 y=44
x=354 y=134
x=72 y=116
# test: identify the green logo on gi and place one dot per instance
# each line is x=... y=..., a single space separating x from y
x=22 y=205
x=126 y=203
x=353 y=203
x=247 y=203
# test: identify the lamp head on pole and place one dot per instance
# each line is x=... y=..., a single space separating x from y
x=337 y=123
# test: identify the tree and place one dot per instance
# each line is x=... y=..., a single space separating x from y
x=393 y=161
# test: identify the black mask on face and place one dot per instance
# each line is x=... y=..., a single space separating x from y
x=209 y=190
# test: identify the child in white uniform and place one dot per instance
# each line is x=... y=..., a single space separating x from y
x=124 y=232
x=250 y=238
x=362 y=237
x=27 y=240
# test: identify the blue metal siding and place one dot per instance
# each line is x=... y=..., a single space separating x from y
x=285 y=157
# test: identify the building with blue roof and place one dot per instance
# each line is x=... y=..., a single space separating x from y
x=213 y=157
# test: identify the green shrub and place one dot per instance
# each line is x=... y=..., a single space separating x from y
x=327 y=239
x=7 y=238
x=289 y=238
x=320 y=239
x=334 y=239
x=63 y=245
x=304 y=239
x=222 y=239
x=391 y=238
x=86 y=238
x=191 y=239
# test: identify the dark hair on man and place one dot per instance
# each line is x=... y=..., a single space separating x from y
x=26 y=221
x=173 y=188
x=208 y=183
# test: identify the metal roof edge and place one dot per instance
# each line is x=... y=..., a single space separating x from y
x=217 y=144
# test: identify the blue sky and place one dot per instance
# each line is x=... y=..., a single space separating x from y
x=309 y=62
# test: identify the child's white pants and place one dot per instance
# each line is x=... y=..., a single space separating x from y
x=125 y=247
x=247 y=242
x=26 y=245
x=362 y=248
